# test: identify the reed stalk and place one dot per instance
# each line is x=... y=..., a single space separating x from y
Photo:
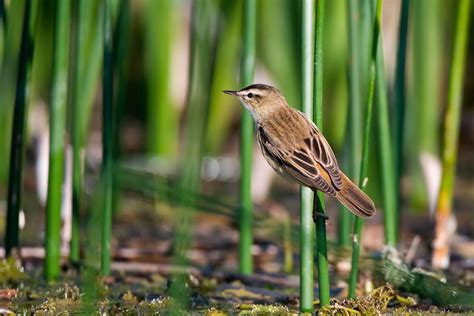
x=121 y=61
x=162 y=117
x=440 y=256
x=321 y=237
x=399 y=104
x=424 y=108
x=365 y=149
x=228 y=55
x=12 y=23
x=2 y=30
x=246 y=140
x=85 y=69
x=57 y=121
x=354 y=122
x=385 y=154
x=204 y=36
x=306 y=194
x=107 y=138
x=74 y=248
x=17 y=147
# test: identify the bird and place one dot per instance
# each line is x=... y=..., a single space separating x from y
x=295 y=148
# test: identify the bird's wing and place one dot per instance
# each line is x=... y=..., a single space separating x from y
x=300 y=164
x=318 y=151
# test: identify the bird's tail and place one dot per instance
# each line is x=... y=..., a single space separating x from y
x=355 y=199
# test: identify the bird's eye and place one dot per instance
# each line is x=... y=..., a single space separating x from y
x=250 y=95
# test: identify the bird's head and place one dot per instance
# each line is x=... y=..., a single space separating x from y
x=259 y=99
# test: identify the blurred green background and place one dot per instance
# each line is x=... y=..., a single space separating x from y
x=171 y=114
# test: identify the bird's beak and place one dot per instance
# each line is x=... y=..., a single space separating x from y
x=230 y=92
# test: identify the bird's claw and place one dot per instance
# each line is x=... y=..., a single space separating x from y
x=317 y=215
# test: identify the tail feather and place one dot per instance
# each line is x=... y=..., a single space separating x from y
x=355 y=199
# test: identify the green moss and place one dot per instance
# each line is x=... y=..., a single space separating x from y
x=377 y=302
x=11 y=271
x=254 y=309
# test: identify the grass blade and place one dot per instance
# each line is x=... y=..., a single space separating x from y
x=57 y=133
x=246 y=143
x=365 y=149
x=440 y=256
x=17 y=147
x=306 y=194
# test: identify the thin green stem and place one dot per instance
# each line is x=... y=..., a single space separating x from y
x=440 y=257
x=354 y=122
x=321 y=238
x=365 y=149
x=247 y=72
x=202 y=62
x=2 y=31
x=162 y=118
x=89 y=59
x=399 y=103
x=13 y=22
x=386 y=160
x=306 y=195
x=56 y=134
x=107 y=135
x=20 y=111
x=453 y=110
x=426 y=78
x=75 y=140
x=87 y=48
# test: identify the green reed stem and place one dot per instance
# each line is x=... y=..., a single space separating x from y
x=306 y=194
x=365 y=150
x=75 y=139
x=399 y=104
x=90 y=58
x=387 y=169
x=13 y=22
x=321 y=238
x=162 y=118
x=204 y=37
x=121 y=64
x=451 y=134
x=354 y=128
x=87 y=46
x=423 y=115
x=2 y=31
x=246 y=140
x=20 y=115
x=107 y=139
x=57 y=121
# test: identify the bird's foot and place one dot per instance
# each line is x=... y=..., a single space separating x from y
x=317 y=215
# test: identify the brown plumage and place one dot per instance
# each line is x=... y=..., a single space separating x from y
x=296 y=149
